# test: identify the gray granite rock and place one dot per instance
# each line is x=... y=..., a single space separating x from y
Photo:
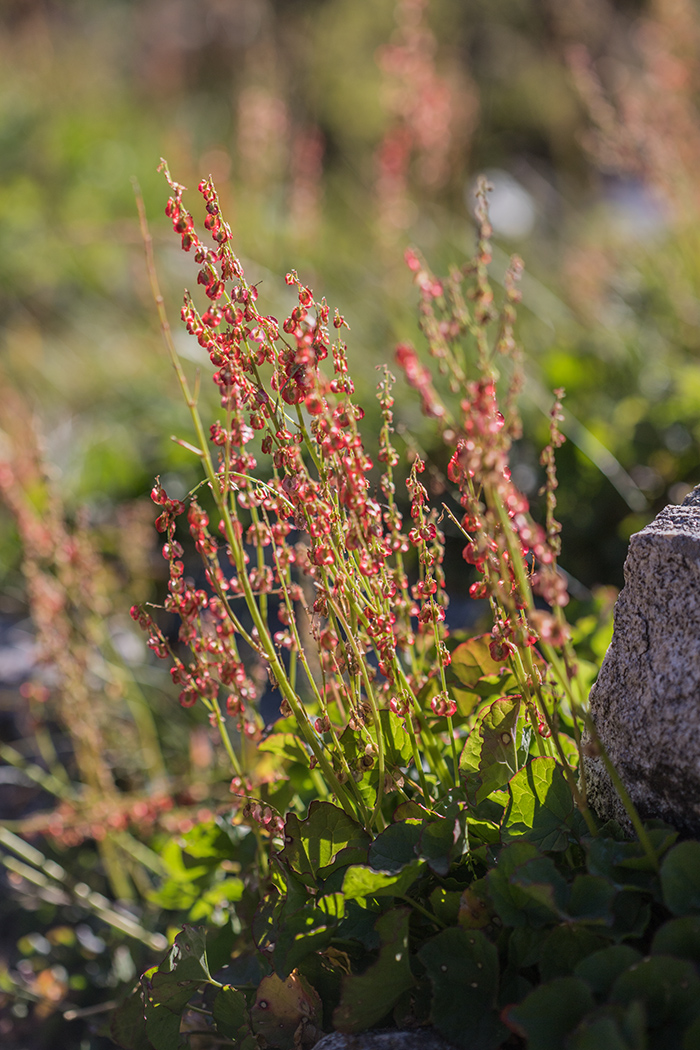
x=646 y=702
x=416 y=1039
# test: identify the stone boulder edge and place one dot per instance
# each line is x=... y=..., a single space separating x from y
x=646 y=701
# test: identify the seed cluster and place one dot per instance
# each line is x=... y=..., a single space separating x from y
x=318 y=544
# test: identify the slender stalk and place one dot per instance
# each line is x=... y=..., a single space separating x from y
x=226 y=739
x=423 y=910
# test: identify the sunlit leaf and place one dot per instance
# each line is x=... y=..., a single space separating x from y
x=541 y=807
x=361 y=881
x=314 y=845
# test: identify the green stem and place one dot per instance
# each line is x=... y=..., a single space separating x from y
x=226 y=739
x=369 y=692
x=435 y=760
x=423 y=910
x=443 y=684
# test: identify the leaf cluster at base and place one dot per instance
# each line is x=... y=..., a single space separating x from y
x=501 y=922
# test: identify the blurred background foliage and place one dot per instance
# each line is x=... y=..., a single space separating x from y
x=338 y=132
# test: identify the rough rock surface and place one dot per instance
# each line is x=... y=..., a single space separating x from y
x=646 y=702
x=417 y=1039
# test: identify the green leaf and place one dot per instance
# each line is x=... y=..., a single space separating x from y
x=501 y=714
x=591 y=899
x=397 y=753
x=541 y=807
x=490 y=749
x=358 y=924
x=680 y=879
x=566 y=946
x=127 y=1024
x=397 y=745
x=444 y=840
x=361 y=881
x=187 y=959
x=410 y=811
x=220 y=943
x=182 y=971
x=326 y=839
x=669 y=989
x=446 y=905
x=601 y=969
x=306 y=930
x=264 y=925
x=474 y=907
x=472 y=660
x=286 y=745
x=691 y=1036
x=230 y=1011
x=463 y=969
x=395 y=847
x=368 y=997
x=208 y=841
x=325 y=971
x=249 y=968
x=625 y=863
x=549 y=1013
x=332 y=905
x=526 y=888
x=605 y=1030
x=525 y=947
x=163 y=1026
x=679 y=937
x=223 y=893
x=631 y=914
x=286 y=1014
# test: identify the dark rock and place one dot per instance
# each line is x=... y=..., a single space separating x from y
x=646 y=702
x=416 y=1039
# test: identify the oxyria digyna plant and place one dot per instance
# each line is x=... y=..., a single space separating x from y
x=416 y=806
